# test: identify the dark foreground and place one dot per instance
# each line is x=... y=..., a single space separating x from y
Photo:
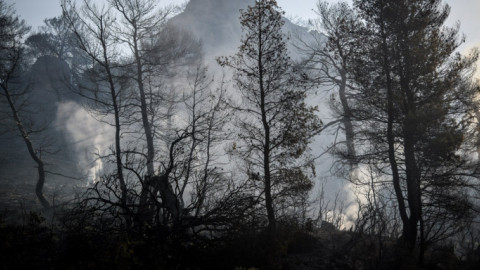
x=37 y=243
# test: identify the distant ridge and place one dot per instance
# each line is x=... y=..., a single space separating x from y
x=216 y=23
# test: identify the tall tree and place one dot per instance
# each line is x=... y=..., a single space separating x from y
x=414 y=102
x=154 y=49
x=275 y=125
x=328 y=52
x=14 y=91
x=95 y=37
x=141 y=22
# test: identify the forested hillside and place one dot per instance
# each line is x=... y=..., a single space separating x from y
x=220 y=135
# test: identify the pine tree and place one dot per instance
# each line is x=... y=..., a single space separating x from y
x=415 y=100
x=275 y=124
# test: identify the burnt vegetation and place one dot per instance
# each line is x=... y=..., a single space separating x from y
x=123 y=149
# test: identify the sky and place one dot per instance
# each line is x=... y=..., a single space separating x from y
x=465 y=11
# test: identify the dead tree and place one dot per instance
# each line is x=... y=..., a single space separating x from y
x=15 y=92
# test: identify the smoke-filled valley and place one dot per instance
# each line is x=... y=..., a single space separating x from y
x=222 y=135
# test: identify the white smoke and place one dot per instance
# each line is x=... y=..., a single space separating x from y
x=90 y=137
x=216 y=23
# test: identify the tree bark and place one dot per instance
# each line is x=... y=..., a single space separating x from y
x=266 y=148
x=391 y=135
x=347 y=119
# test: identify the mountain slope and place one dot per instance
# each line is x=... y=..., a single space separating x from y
x=216 y=23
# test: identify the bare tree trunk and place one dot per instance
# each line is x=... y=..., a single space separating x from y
x=266 y=148
x=423 y=244
x=104 y=59
x=143 y=107
x=391 y=137
x=31 y=150
x=118 y=149
x=412 y=186
x=410 y=133
x=147 y=193
x=347 y=120
x=161 y=184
